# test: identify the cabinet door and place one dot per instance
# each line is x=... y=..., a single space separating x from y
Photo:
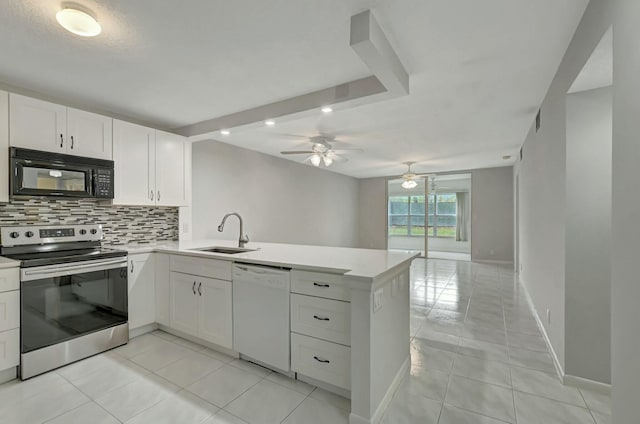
x=184 y=303
x=35 y=124
x=215 y=314
x=89 y=134
x=170 y=169
x=9 y=348
x=134 y=157
x=141 y=293
x=9 y=310
x=162 y=288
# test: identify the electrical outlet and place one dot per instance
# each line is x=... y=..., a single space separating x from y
x=548 y=316
x=378 y=295
x=185 y=227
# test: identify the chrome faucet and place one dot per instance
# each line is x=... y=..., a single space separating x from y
x=244 y=239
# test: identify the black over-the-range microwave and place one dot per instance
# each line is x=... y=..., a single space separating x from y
x=37 y=173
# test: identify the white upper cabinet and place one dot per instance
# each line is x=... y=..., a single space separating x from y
x=40 y=125
x=134 y=157
x=150 y=166
x=89 y=134
x=36 y=124
x=170 y=169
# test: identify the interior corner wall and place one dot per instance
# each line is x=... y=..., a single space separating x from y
x=280 y=200
x=625 y=286
x=588 y=235
x=492 y=214
x=372 y=213
x=542 y=175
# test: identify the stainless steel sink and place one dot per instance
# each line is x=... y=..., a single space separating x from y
x=225 y=249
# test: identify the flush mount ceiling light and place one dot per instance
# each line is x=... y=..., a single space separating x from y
x=78 y=22
x=225 y=132
x=326 y=109
x=269 y=123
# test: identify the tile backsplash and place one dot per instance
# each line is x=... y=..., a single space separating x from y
x=120 y=224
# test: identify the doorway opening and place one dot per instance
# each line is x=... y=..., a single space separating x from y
x=434 y=217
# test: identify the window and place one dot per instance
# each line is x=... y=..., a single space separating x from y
x=442 y=215
x=406 y=215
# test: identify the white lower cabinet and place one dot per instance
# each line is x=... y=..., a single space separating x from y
x=321 y=327
x=163 y=288
x=141 y=293
x=184 y=303
x=321 y=360
x=201 y=306
x=9 y=348
x=9 y=318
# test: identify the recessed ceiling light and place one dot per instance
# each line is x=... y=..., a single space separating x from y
x=326 y=109
x=269 y=123
x=225 y=132
x=78 y=22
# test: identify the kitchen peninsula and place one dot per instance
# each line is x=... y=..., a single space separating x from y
x=349 y=318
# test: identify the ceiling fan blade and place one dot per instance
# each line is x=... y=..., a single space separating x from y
x=297 y=152
x=348 y=150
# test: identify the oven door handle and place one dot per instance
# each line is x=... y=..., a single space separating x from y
x=37 y=273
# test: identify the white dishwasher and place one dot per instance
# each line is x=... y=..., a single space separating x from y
x=261 y=314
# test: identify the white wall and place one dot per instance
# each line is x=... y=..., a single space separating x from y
x=372 y=213
x=625 y=293
x=280 y=200
x=542 y=174
x=492 y=214
x=588 y=235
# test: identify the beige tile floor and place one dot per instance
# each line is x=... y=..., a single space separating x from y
x=477 y=357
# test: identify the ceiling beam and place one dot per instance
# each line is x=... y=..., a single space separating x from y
x=370 y=43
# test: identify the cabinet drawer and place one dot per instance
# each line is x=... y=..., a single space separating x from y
x=9 y=348
x=212 y=268
x=319 y=284
x=9 y=310
x=321 y=318
x=9 y=279
x=321 y=360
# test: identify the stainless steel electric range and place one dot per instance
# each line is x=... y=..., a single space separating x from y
x=73 y=294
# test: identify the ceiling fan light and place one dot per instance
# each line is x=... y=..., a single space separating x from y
x=409 y=184
x=327 y=160
x=315 y=159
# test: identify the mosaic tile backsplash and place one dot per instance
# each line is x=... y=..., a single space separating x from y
x=120 y=224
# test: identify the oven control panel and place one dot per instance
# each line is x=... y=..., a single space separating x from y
x=39 y=234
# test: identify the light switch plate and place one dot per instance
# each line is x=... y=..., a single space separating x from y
x=378 y=295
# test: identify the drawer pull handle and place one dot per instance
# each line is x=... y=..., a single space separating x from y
x=321 y=285
x=194 y=287
x=324 y=361
x=321 y=318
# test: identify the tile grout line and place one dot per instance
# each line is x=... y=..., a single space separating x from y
x=91 y=400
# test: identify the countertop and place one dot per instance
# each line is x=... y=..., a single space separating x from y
x=357 y=263
x=8 y=263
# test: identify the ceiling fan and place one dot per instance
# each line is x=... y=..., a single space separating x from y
x=322 y=151
x=410 y=177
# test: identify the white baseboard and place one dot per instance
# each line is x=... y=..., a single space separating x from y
x=554 y=356
x=584 y=383
x=386 y=399
x=142 y=330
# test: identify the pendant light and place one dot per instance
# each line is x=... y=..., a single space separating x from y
x=315 y=159
x=409 y=184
